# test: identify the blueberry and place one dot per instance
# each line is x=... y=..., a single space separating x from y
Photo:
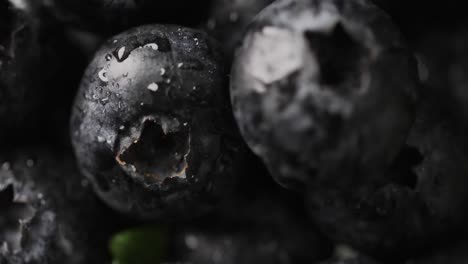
x=317 y=86
x=229 y=20
x=49 y=213
x=151 y=125
x=417 y=203
x=19 y=61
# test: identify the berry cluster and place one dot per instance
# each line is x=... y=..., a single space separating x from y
x=233 y=131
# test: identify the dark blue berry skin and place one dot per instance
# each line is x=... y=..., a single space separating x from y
x=229 y=20
x=20 y=51
x=402 y=213
x=317 y=86
x=49 y=211
x=151 y=126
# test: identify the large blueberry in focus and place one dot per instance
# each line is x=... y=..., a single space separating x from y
x=229 y=20
x=151 y=126
x=323 y=88
x=49 y=213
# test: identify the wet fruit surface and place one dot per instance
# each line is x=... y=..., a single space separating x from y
x=149 y=125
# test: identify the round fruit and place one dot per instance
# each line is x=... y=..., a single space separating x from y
x=49 y=212
x=151 y=125
x=418 y=202
x=323 y=88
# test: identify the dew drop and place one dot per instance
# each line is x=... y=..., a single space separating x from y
x=152 y=45
x=101 y=139
x=108 y=57
x=122 y=127
x=162 y=71
x=103 y=75
x=121 y=52
x=104 y=101
x=191 y=64
x=153 y=87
